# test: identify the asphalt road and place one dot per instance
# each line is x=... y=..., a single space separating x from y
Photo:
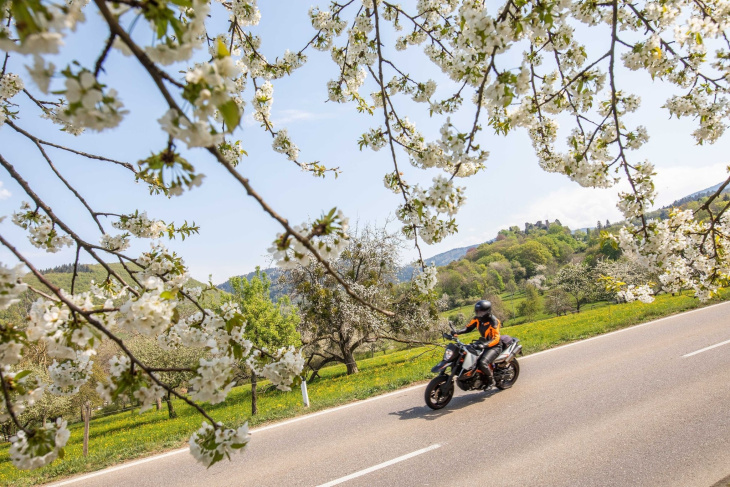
x=623 y=409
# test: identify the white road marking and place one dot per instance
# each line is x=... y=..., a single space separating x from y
x=707 y=348
x=375 y=398
x=379 y=466
x=120 y=467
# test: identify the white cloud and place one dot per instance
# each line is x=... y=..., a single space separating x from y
x=575 y=207
x=293 y=115
x=4 y=193
x=286 y=117
x=579 y=207
x=673 y=183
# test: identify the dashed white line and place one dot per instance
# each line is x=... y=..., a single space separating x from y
x=379 y=466
x=707 y=348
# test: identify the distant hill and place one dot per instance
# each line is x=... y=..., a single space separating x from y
x=61 y=277
x=444 y=258
x=405 y=274
x=273 y=273
x=698 y=195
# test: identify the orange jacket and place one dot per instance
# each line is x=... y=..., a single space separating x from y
x=489 y=330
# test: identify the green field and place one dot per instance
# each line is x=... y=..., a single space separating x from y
x=129 y=435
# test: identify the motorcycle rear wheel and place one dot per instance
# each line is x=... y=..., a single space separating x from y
x=515 y=368
x=435 y=399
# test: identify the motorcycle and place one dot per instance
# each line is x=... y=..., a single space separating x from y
x=462 y=360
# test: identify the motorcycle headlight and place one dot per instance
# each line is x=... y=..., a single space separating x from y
x=448 y=354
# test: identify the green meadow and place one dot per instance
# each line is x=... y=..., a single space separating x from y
x=129 y=435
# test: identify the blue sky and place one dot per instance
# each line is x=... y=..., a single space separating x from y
x=235 y=233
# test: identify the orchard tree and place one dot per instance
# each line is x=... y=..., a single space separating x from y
x=532 y=304
x=269 y=325
x=579 y=282
x=334 y=325
x=206 y=64
x=175 y=366
x=557 y=302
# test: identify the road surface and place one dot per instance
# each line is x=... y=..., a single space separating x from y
x=647 y=406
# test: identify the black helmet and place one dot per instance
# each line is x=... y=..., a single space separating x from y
x=483 y=308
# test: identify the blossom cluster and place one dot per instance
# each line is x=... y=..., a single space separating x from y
x=140 y=225
x=10 y=85
x=210 y=445
x=425 y=281
x=23 y=388
x=45 y=445
x=287 y=364
x=43 y=232
x=11 y=285
x=44 y=35
x=179 y=38
x=677 y=251
x=642 y=293
x=89 y=104
x=327 y=235
x=150 y=312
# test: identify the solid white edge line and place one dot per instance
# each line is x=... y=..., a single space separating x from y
x=707 y=348
x=379 y=466
x=357 y=403
x=119 y=467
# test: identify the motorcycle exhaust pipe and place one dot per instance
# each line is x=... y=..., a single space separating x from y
x=518 y=349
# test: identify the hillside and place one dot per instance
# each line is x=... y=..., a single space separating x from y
x=61 y=277
x=445 y=258
x=274 y=273
x=404 y=274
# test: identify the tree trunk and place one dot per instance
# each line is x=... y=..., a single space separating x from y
x=350 y=362
x=254 y=405
x=159 y=403
x=170 y=411
x=86 y=408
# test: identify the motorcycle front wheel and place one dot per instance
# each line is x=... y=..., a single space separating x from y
x=512 y=371
x=435 y=398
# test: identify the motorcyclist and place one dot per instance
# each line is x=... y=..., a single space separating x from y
x=488 y=326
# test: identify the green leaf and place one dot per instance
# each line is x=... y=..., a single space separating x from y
x=168 y=295
x=21 y=374
x=231 y=114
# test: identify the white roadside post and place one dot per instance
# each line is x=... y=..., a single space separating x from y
x=305 y=396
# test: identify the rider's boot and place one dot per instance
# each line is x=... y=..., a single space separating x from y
x=486 y=369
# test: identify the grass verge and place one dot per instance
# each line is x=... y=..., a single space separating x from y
x=129 y=435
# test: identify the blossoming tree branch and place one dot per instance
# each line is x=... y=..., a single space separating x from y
x=209 y=79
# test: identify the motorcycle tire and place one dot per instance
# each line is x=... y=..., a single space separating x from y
x=434 y=398
x=506 y=384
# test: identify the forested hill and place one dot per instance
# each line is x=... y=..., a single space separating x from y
x=442 y=259
x=698 y=196
x=583 y=240
x=405 y=274
x=62 y=277
x=273 y=273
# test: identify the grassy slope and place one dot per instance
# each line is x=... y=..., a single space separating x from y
x=130 y=435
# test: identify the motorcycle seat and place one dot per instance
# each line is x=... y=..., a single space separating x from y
x=506 y=341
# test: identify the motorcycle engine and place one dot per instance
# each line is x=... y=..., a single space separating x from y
x=469 y=383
